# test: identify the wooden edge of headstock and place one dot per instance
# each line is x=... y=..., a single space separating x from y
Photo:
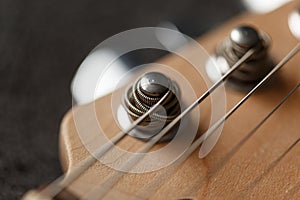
x=65 y=147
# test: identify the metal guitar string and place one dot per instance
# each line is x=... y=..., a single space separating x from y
x=158 y=181
x=62 y=182
x=100 y=190
x=90 y=160
x=198 y=142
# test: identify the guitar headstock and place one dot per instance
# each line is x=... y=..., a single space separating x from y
x=256 y=165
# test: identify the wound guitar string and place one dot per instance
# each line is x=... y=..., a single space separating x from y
x=53 y=189
x=102 y=189
x=157 y=182
x=62 y=182
x=111 y=180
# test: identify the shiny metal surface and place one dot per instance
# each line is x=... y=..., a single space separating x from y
x=149 y=89
x=154 y=84
x=240 y=40
x=245 y=36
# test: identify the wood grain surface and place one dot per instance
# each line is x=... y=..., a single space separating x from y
x=42 y=43
x=258 y=168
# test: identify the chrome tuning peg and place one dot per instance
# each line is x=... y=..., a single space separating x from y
x=233 y=48
x=148 y=90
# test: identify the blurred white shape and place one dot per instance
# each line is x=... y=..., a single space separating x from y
x=85 y=85
x=93 y=79
x=170 y=42
x=215 y=67
x=294 y=23
x=263 y=6
x=210 y=142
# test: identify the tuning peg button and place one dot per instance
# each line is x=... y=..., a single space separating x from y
x=154 y=84
x=245 y=36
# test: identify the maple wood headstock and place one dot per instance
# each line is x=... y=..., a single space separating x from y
x=256 y=166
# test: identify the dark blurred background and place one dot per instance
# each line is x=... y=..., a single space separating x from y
x=42 y=43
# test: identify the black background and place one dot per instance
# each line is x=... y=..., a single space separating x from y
x=41 y=45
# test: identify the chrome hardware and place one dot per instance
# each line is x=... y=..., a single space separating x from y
x=146 y=92
x=241 y=40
